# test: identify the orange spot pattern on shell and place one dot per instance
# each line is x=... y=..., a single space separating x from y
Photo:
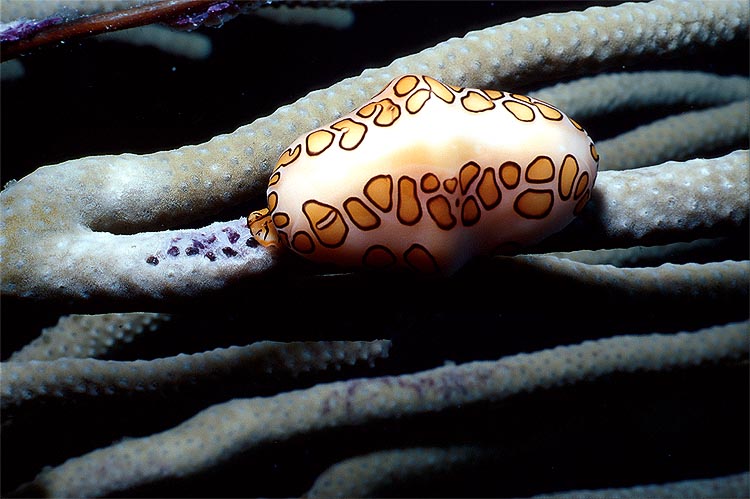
x=409 y=208
x=405 y=85
x=488 y=191
x=420 y=259
x=385 y=112
x=318 y=141
x=476 y=102
x=540 y=170
x=326 y=223
x=521 y=111
x=440 y=90
x=362 y=216
x=353 y=133
x=439 y=208
x=330 y=222
x=288 y=157
x=510 y=174
x=379 y=190
x=429 y=182
x=568 y=173
x=450 y=184
x=378 y=257
x=534 y=203
x=415 y=103
x=303 y=243
x=467 y=175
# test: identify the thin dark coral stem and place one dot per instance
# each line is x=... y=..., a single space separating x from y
x=162 y=11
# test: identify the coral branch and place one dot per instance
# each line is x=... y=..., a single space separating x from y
x=607 y=93
x=81 y=263
x=226 y=429
x=365 y=476
x=698 y=250
x=24 y=382
x=677 y=137
x=87 y=336
x=726 y=486
x=712 y=281
x=191 y=262
x=675 y=201
x=233 y=167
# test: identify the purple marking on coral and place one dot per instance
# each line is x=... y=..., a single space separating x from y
x=252 y=243
x=233 y=235
x=24 y=29
x=218 y=7
x=218 y=242
x=351 y=389
x=215 y=15
x=152 y=260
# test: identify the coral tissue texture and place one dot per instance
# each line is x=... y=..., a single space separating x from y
x=150 y=346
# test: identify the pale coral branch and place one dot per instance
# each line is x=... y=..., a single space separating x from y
x=224 y=430
x=88 y=336
x=644 y=256
x=605 y=94
x=191 y=45
x=710 y=281
x=321 y=15
x=737 y=485
x=674 y=201
x=365 y=476
x=11 y=70
x=530 y=50
x=81 y=263
x=28 y=382
x=626 y=207
x=234 y=167
x=677 y=137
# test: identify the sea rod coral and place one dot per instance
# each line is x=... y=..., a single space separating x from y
x=584 y=396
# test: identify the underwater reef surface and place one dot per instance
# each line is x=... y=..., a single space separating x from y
x=92 y=97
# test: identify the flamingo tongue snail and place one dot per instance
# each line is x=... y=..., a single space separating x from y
x=427 y=175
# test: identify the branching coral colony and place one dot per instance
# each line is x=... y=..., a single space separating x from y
x=622 y=341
